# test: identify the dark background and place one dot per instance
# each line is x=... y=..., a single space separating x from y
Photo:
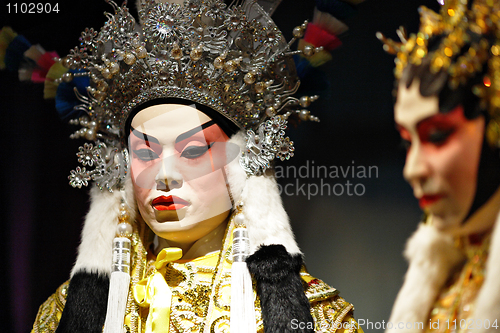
x=352 y=242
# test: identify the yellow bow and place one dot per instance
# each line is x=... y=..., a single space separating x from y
x=155 y=293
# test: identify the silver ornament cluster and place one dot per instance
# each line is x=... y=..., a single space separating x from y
x=232 y=59
x=264 y=146
x=111 y=166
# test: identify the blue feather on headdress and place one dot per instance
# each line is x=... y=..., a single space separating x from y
x=66 y=98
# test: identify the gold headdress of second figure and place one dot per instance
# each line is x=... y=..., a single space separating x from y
x=469 y=45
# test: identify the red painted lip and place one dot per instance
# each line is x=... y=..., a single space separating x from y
x=169 y=203
x=428 y=200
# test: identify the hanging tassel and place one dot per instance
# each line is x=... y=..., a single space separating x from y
x=120 y=274
x=242 y=319
x=118 y=286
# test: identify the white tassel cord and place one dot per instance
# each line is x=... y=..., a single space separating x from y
x=242 y=318
x=117 y=302
x=118 y=286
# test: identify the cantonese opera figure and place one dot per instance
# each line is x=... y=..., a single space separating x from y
x=185 y=111
x=448 y=114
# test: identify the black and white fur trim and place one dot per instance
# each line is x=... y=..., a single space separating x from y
x=87 y=295
x=432 y=257
x=85 y=308
x=279 y=286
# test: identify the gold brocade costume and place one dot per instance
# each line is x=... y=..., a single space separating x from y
x=453 y=310
x=201 y=295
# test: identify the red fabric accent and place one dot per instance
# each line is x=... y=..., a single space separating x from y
x=38 y=75
x=315 y=281
x=320 y=37
x=45 y=62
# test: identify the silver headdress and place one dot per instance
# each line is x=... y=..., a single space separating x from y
x=232 y=59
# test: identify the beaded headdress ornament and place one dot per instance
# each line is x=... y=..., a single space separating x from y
x=232 y=59
x=473 y=27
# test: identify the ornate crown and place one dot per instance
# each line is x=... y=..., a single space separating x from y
x=470 y=40
x=231 y=59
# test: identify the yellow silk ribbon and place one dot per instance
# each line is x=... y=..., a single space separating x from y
x=154 y=292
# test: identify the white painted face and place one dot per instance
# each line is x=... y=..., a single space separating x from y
x=178 y=156
x=443 y=155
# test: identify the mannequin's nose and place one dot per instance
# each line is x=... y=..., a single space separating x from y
x=168 y=177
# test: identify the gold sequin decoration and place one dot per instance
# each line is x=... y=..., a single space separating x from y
x=50 y=311
x=220 y=325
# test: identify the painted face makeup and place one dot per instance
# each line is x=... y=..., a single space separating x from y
x=443 y=153
x=178 y=155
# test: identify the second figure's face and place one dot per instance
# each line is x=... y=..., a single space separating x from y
x=178 y=156
x=443 y=153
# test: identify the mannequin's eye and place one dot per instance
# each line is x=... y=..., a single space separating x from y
x=145 y=154
x=405 y=144
x=193 y=152
x=439 y=137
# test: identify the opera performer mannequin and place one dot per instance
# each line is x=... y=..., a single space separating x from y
x=447 y=117
x=186 y=231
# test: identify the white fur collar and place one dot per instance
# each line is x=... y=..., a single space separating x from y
x=267 y=221
x=99 y=229
x=488 y=299
x=432 y=256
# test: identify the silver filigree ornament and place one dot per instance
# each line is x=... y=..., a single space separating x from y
x=89 y=155
x=215 y=9
x=111 y=166
x=79 y=177
x=88 y=36
x=165 y=24
x=232 y=59
x=264 y=147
